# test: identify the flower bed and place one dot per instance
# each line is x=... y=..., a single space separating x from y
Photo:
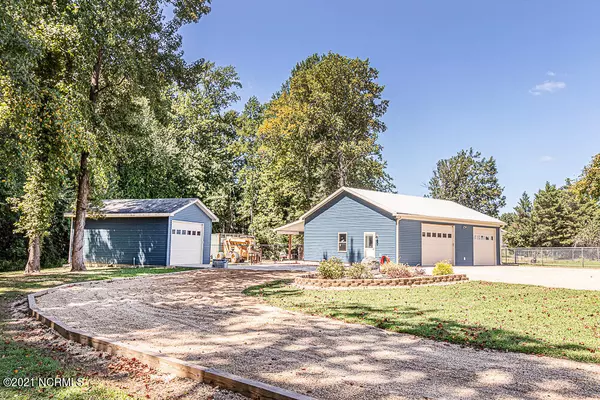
x=314 y=280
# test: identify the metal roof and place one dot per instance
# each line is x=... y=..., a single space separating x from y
x=404 y=206
x=145 y=208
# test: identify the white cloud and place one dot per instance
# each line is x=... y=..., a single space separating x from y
x=550 y=73
x=546 y=159
x=547 y=87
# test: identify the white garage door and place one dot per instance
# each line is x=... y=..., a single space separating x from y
x=437 y=243
x=484 y=246
x=187 y=239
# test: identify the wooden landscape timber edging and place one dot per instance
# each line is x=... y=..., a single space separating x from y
x=314 y=281
x=247 y=387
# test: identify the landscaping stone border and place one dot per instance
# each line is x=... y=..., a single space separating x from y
x=314 y=281
x=248 y=387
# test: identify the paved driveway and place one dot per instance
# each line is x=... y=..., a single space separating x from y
x=570 y=278
x=203 y=317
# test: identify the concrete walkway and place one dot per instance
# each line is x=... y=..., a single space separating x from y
x=203 y=317
x=569 y=278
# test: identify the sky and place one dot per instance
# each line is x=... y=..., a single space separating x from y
x=517 y=80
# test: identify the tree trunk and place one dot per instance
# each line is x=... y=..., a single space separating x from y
x=83 y=191
x=33 y=262
x=83 y=181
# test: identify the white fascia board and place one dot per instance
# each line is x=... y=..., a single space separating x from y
x=449 y=220
x=206 y=210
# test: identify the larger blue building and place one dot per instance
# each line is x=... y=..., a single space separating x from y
x=354 y=223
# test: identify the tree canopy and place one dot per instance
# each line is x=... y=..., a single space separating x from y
x=468 y=179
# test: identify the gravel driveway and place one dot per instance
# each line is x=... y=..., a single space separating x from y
x=201 y=316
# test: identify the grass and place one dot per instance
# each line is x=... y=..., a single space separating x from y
x=559 y=323
x=20 y=360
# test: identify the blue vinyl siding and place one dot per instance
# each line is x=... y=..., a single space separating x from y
x=126 y=241
x=193 y=213
x=463 y=243
x=355 y=217
x=410 y=242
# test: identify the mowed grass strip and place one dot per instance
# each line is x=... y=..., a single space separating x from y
x=559 y=323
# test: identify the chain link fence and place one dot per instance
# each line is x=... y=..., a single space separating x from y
x=552 y=256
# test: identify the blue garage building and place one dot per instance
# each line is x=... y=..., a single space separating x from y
x=354 y=223
x=148 y=232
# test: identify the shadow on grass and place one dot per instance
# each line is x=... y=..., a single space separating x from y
x=422 y=321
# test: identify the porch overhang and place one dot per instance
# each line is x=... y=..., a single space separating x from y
x=293 y=228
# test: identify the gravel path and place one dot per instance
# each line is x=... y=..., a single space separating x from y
x=202 y=317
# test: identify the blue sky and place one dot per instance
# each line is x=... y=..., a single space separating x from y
x=516 y=80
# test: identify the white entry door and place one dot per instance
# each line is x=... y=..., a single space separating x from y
x=484 y=246
x=437 y=243
x=187 y=240
x=370 y=244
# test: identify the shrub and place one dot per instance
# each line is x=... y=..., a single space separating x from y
x=331 y=269
x=394 y=270
x=443 y=268
x=359 y=271
x=418 y=271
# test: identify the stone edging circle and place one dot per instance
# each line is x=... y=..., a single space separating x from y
x=312 y=280
x=248 y=387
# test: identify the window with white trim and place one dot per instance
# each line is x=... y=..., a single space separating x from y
x=342 y=242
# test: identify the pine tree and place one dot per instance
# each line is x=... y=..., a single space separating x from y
x=520 y=231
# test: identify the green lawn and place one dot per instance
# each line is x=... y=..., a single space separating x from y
x=522 y=318
x=20 y=360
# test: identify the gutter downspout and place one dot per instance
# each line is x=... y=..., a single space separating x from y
x=398 y=239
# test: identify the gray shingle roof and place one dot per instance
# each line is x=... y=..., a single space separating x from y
x=142 y=206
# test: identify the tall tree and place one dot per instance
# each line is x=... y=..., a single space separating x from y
x=37 y=92
x=520 y=231
x=553 y=217
x=318 y=134
x=126 y=50
x=589 y=181
x=468 y=179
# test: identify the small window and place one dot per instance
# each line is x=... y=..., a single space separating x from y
x=491 y=238
x=179 y=231
x=342 y=242
x=428 y=234
x=423 y=234
x=487 y=238
x=189 y=232
x=173 y=231
x=449 y=236
x=444 y=236
x=183 y=231
x=439 y=235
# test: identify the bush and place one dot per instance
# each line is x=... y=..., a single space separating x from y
x=359 y=271
x=418 y=271
x=394 y=270
x=331 y=269
x=443 y=268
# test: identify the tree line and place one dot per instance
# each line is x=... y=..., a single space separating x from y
x=563 y=216
x=97 y=102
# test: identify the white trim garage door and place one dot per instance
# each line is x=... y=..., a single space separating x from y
x=484 y=246
x=437 y=243
x=187 y=240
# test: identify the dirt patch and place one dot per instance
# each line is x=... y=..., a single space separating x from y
x=203 y=317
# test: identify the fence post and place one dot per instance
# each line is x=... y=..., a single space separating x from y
x=515 y=251
x=582 y=258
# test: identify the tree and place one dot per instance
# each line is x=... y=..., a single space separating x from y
x=126 y=50
x=470 y=180
x=37 y=94
x=553 y=217
x=319 y=133
x=589 y=181
x=520 y=230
